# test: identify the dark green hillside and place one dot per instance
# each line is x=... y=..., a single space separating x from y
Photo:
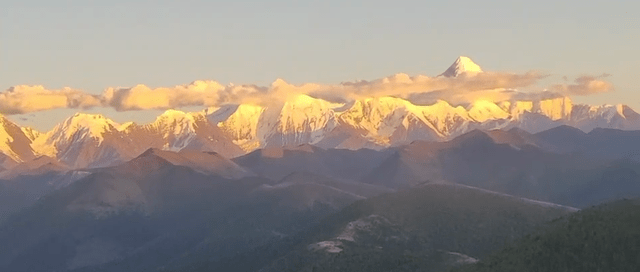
x=603 y=238
x=435 y=226
x=462 y=219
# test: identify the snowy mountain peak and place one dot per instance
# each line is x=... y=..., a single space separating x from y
x=92 y=125
x=441 y=104
x=175 y=123
x=216 y=115
x=174 y=115
x=278 y=83
x=240 y=124
x=556 y=108
x=74 y=132
x=14 y=142
x=304 y=119
x=176 y=130
x=378 y=119
x=483 y=110
x=305 y=101
x=462 y=65
x=442 y=109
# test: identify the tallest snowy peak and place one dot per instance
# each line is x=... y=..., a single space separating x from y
x=279 y=83
x=462 y=65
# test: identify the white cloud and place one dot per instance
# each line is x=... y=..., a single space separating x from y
x=584 y=85
x=141 y=97
x=24 y=99
x=419 y=89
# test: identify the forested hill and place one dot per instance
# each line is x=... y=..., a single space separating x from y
x=601 y=238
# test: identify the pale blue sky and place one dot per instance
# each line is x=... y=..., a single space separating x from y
x=91 y=45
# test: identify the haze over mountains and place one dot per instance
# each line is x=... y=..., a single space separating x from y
x=375 y=184
x=86 y=140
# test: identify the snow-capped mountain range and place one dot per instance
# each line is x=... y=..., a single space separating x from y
x=85 y=140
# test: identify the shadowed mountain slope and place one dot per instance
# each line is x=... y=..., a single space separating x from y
x=602 y=238
x=430 y=224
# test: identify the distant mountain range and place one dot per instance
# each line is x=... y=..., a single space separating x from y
x=87 y=141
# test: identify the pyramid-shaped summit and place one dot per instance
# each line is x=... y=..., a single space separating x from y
x=462 y=65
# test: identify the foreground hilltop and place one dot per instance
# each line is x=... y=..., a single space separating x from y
x=602 y=238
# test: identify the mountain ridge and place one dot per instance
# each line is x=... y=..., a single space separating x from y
x=86 y=140
x=375 y=122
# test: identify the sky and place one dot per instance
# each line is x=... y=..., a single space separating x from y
x=94 y=45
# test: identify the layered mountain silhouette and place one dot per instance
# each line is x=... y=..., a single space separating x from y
x=163 y=204
x=424 y=204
